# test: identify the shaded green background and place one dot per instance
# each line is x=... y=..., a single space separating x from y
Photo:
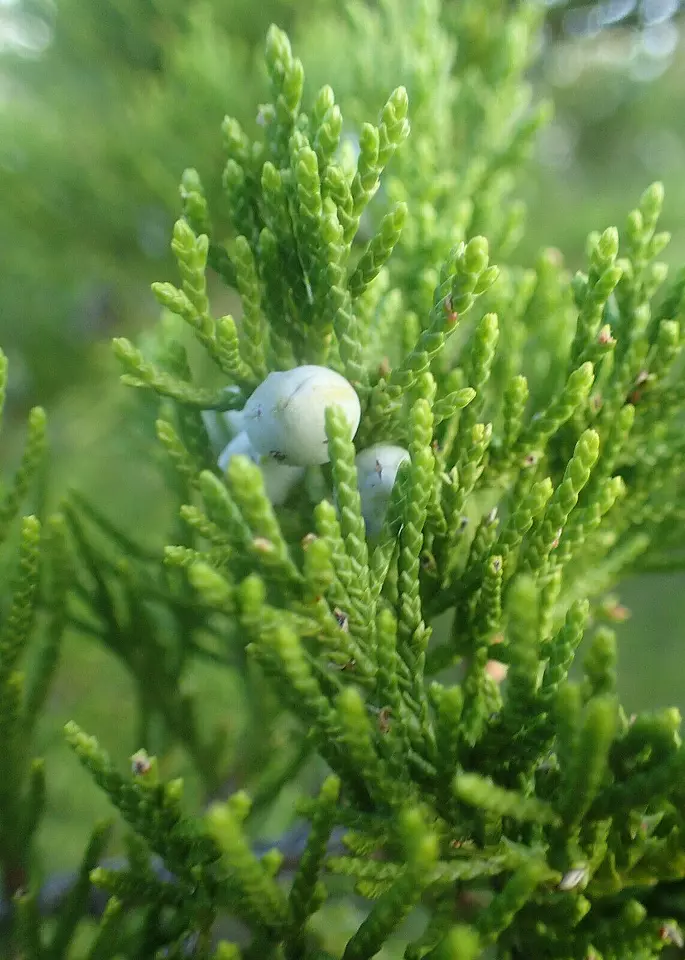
x=102 y=105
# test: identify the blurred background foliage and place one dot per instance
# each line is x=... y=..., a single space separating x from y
x=103 y=103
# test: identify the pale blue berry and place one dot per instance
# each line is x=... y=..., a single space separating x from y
x=279 y=478
x=377 y=468
x=285 y=418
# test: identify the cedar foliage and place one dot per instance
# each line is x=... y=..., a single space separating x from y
x=539 y=417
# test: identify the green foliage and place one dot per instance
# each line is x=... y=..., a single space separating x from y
x=541 y=417
x=106 y=103
x=24 y=682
